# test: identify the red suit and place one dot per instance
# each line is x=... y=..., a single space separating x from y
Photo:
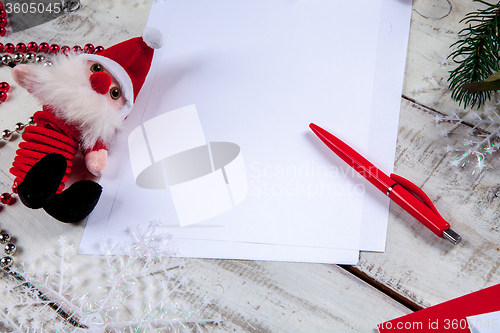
x=42 y=165
x=50 y=135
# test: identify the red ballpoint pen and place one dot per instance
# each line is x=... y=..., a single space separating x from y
x=400 y=190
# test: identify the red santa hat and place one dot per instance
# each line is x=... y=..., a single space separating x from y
x=129 y=63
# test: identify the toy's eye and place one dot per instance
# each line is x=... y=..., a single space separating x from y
x=115 y=92
x=96 y=68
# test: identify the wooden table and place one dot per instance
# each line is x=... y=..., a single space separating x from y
x=417 y=269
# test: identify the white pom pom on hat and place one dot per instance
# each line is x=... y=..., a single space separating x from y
x=153 y=37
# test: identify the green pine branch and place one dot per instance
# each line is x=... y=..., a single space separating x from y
x=477 y=54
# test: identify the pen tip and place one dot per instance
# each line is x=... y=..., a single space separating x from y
x=452 y=236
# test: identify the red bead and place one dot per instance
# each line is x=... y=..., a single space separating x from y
x=44 y=47
x=98 y=49
x=1 y=6
x=14 y=187
x=5 y=198
x=10 y=48
x=4 y=86
x=32 y=47
x=3 y=31
x=21 y=47
x=77 y=49
x=1 y=47
x=54 y=49
x=89 y=48
x=65 y=49
x=3 y=13
x=3 y=96
x=3 y=22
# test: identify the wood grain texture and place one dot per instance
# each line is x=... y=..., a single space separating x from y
x=249 y=296
x=256 y=296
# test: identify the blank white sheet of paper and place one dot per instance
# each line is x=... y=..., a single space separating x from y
x=259 y=72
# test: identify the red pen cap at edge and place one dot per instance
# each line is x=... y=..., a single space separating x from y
x=354 y=159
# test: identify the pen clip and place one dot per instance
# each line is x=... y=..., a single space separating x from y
x=415 y=190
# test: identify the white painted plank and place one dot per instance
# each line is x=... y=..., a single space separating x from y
x=290 y=297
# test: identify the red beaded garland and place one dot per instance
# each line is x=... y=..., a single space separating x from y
x=98 y=49
x=65 y=49
x=21 y=47
x=3 y=96
x=10 y=48
x=89 y=48
x=5 y=198
x=14 y=187
x=54 y=49
x=32 y=47
x=44 y=47
x=4 y=86
x=3 y=21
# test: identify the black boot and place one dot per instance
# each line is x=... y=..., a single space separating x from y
x=75 y=203
x=42 y=181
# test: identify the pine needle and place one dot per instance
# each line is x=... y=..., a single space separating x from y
x=477 y=53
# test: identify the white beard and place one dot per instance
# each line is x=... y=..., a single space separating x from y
x=65 y=87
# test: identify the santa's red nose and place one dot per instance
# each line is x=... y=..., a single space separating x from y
x=100 y=82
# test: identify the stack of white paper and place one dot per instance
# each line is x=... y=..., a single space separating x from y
x=218 y=146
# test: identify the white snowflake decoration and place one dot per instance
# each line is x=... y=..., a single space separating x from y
x=471 y=150
x=486 y=124
x=139 y=292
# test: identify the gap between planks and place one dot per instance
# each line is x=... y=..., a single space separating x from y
x=382 y=288
x=434 y=112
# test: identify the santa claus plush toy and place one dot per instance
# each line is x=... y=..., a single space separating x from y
x=85 y=99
